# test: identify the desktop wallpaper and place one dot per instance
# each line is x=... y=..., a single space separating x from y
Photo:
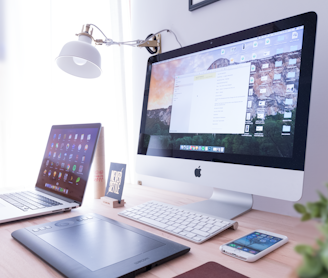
x=275 y=66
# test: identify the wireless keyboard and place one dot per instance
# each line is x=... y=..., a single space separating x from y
x=193 y=226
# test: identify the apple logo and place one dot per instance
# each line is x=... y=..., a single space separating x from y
x=197 y=172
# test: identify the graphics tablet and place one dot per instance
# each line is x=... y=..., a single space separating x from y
x=92 y=245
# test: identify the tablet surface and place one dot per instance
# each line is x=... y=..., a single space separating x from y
x=95 y=246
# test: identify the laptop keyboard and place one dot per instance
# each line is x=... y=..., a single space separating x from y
x=28 y=200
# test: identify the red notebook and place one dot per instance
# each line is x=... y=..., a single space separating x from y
x=211 y=270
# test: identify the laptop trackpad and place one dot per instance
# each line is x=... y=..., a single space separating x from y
x=98 y=244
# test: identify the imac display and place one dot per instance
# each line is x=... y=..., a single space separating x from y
x=231 y=106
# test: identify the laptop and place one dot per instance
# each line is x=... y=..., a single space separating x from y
x=62 y=178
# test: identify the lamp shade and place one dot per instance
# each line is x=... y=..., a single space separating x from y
x=80 y=58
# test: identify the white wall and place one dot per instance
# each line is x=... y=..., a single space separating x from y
x=221 y=18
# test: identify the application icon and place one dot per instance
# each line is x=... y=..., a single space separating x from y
x=67 y=167
x=51 y=163
x=239 y=247
x=70 y=156
x=76 y=135
x=62 y=145
x=73 y=146
x=222 y=51
x=267 y=41
x=79 y=147
x=252 y=251
x=45 y=172
x=59 y=136
x=294 y=35
x=206 y=148
x=89 y=137
x=71 y=179
x=245 y=249
x=203 y=148
x=74 y=168
x=55 y=136
x=279 y=50
x=59 y=175
x=78 y=179
x=81 y=168
x=52 y=145
x=253 y=68
x=265 y=66
x=243 y=47
x=65 y=177
x=254 y=56
x=83 y=158
x=57 y=164
x=47 y=163
x=86 y=147
x=232 y=245
x=49 y=173
x=251 y=80
x=255 y=44
x=70 y=137
x=67 y=146
x=64 y=136
x=82 y=137
x=49 y=154
x=77 y=157
x=59 y=156
x=233 y=49
x=196 y=148
x=242 y=58
x=232 y=60
x=266 y=53
x=62 y=165
x=56 y=145
x=54 y=175
x=54 y=154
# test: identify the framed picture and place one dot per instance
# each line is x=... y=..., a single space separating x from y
x=196 y=4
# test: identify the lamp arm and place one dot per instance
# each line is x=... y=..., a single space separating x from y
x=134 y=43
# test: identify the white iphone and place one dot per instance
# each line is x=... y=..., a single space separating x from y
x=253 y=246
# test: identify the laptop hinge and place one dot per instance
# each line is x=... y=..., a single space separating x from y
x=57 y=196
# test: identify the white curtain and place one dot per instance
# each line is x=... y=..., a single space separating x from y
x=35 y=94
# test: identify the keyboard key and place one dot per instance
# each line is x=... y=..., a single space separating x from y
x=188 y=229
x=170 y=228
x=190 y=235
x=153 y=222
x=201 y=233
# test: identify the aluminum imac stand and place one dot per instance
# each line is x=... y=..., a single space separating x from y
x=224 y=203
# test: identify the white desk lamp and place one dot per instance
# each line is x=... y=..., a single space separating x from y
x=81 y=59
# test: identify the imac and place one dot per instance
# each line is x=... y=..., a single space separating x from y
x=232 y=113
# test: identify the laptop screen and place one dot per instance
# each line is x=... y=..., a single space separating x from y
x=67 y=160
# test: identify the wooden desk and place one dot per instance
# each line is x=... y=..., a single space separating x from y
x=16 y=261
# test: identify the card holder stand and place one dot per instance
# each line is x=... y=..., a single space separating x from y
x=113 y=203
